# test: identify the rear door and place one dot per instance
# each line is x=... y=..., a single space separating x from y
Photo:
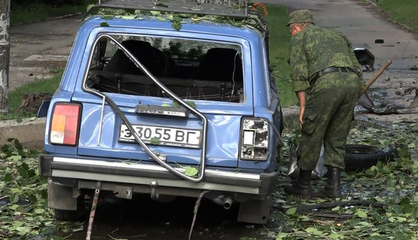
x=212 y=77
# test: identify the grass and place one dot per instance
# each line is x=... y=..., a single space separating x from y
x=279 y=53
x=38 y=86
x=40 y=12
x=401 y=11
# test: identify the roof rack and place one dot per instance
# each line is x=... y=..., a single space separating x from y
x=228 y=8
x=236 y=9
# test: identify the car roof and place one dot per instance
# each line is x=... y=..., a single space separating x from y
x=157 y=23
x=233 y=15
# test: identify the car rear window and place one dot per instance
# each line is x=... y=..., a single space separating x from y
x=192 y=69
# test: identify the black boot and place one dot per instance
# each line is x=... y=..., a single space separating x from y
x=301 y=186
x=333 y=187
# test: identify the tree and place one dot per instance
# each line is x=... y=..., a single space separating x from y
x=4 y=54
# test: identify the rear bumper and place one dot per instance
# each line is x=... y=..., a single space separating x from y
x=84 y=173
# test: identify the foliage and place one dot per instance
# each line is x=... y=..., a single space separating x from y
x=392 y=184
x=401 y=11
x=279 y=53
x=15 y=95
x=23 y=12
x=54 y=3
x=25 y=191
x=24 y=213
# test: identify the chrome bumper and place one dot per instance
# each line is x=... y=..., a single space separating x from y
x=83 y=173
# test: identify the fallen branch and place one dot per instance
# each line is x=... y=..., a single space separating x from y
x=330 y=215
x=340 y=204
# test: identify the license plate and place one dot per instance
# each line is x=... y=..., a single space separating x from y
x=156 y=135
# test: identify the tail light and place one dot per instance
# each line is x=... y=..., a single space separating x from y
x=65 y=124
x=254 y=139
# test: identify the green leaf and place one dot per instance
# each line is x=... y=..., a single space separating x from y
x=79 y=229
x=192 y=104
x=5 y=148
x=104 y=24
x=155 y=13
x=176 y=25
x=14 y=207
x=49 y=223
x=14 y=198
x=160 y=5
x=175 y=104
x=334 y=236
x=366 y=224
x=361 y=214
x=155 y=141
x=314 y=231
x=15 y=158
x=39 y=211
x=8 y=177
x=107 y=17
x=190 y=171
x=282 y=236
x=291 y=211
x=17 y=144
x=23 y=230
x=336 y=209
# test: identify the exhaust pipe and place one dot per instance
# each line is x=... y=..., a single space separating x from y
x=227 y=202
x=223 y=200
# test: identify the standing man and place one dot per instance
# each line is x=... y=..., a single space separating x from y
x=327 y=79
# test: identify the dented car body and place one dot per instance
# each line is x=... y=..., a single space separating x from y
x=144 y=108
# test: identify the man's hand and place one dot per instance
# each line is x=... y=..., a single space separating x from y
x=301 y=98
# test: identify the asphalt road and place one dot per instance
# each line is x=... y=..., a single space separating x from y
x=39 y=47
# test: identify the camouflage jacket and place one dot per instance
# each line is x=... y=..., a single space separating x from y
x=315 y=48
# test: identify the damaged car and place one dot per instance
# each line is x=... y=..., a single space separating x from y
x=165 y=101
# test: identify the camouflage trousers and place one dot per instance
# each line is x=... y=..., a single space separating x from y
x=327 y=119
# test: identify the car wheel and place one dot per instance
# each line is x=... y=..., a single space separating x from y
x=362 y=157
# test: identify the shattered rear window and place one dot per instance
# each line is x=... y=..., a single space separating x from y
x=192 y=69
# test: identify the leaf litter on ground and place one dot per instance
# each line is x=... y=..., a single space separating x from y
x=392 y=184
x=24 y=212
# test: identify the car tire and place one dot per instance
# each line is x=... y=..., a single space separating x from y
x=362 y=157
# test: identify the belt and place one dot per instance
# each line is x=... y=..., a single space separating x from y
x=334 y=69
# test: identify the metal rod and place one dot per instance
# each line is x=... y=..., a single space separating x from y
x=101 y=121
x=93 y=209
x=153 y=155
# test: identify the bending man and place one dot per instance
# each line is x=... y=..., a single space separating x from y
x=327 y=79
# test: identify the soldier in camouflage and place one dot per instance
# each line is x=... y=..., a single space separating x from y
x=327 y=79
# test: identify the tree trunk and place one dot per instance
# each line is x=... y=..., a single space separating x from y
x=4 y=54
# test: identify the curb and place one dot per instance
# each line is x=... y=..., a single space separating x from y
x=30 y=132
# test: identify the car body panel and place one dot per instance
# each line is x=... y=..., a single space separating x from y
x=99 y=155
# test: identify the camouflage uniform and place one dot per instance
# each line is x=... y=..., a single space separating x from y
x=330 y=98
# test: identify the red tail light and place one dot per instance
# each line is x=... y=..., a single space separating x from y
x=65 y=123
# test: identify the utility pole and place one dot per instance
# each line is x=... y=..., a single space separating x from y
x=4 y=54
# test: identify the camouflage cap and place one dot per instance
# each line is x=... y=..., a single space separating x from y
x=300 y=16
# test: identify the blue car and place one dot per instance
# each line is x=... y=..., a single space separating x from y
x=167 y=102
